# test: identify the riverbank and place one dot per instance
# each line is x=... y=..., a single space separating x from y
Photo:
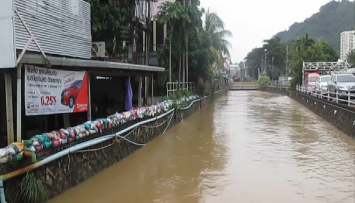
x=339 y=115
x=56 y=169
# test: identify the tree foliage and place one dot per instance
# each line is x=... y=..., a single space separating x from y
x=275 y=52
x=332 y=19
x=299 y=50
x=351 y=57
x=219 y=46
x=206 y=45
x=263 y=81
x=108 y=19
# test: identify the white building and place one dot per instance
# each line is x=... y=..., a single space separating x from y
x=234 y=70
x=347 y=43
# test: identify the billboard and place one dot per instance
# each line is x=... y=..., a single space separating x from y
x=51 y=91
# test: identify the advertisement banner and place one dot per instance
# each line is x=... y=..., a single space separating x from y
x=52 y=91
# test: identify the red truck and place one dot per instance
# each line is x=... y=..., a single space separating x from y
x=310 y=81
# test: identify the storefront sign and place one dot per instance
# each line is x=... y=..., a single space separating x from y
x=51 y=91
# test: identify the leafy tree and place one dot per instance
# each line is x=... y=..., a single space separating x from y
x=108 y=19
x=172 y=14
x=275 y=58
x=206 y=44
x=332 y=19
x=351 y=57
x=254 y=60
x=300 y=49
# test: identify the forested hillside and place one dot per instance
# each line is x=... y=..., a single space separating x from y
x=327 y=24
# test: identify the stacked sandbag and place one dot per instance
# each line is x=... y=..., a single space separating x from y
x=167 y=105
x=152 y=110
x=55 y=138
x=116 y=119
x=142 y=112
x=13 y=152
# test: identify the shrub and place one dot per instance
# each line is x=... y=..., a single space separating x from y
x=263 y=81
x=31 y=190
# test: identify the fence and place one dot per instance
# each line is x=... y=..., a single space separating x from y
x=172 y=87
x=138 y=55
x=343 y=96
x=278 y=83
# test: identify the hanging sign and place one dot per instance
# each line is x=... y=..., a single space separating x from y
x=51 y=91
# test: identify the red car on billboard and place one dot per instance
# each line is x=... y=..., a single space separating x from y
x=70 y=94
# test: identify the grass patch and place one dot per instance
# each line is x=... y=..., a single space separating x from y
x=31 y=190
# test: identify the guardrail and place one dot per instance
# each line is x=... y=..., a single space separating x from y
x=172 y=87
x=344 y=96
x=280 y=83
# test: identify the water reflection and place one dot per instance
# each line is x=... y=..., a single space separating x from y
x=246 y=147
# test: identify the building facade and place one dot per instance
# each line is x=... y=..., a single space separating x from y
x=347 y=43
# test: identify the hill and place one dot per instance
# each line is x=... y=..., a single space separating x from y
x=327 y=24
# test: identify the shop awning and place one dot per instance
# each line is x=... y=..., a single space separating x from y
x=70 y=62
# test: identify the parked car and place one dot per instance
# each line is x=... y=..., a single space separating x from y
x=341 y=84
x=70 y=94
x=321 y=84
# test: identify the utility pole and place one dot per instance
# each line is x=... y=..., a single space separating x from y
x=147 y=50
x=272 y=68
x=183 y=57
x=287 y=69
x=147 y=38
x=265 y=50
x=187 y=55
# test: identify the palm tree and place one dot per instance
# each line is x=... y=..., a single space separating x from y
x=214 y=26
x=172 y=14
x=195 y=21
x=180 y=18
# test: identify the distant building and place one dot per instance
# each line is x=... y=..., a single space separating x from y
x=234 y=69
x=347 y=43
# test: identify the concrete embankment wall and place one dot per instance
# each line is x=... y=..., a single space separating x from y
x=70 y=170
x=339 y=115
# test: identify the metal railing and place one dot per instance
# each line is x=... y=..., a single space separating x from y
x=138 y=55
x=172 y=87
x=338 y=97
x=277 y=83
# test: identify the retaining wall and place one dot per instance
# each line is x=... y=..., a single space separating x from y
x=339 y=115
x=68 y=171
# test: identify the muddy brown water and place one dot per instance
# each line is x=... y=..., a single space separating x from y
x=245 y=147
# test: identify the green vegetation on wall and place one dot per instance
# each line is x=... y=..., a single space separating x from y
x=31 y=190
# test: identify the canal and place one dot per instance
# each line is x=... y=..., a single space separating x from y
x=245 y=147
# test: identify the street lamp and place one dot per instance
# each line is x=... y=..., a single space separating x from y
x=265 y=50
x=244 y=68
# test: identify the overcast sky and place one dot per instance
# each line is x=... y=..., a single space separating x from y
x=253 y=21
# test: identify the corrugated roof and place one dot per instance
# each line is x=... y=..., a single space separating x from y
x=69 y=62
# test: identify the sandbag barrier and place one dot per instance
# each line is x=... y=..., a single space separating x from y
x=15 y=151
